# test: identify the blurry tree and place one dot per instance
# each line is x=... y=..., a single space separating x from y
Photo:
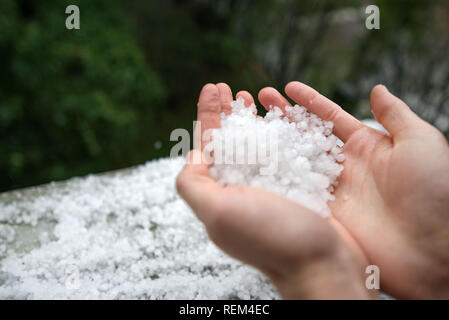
x=409 y=55
x=71 y=101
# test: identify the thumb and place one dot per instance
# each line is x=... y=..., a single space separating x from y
x=196 y=186
x=393 y=113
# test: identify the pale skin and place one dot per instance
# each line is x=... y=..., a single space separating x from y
x=391 y=207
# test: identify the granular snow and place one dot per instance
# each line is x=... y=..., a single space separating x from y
x=300 y=149
x=126 y=236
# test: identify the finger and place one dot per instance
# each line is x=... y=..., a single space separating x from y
x=225 y=97
x=209 y=109
x=270 y=97
x=344 y=124
x=392 y=112
x=196 y=186
x=246 y=96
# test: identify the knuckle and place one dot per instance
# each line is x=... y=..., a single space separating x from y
x=313 y=96
x=383 y=112
x=181 y=182
x=215 y=236
x=218 y=218
x=219 y=215
x=333 y=113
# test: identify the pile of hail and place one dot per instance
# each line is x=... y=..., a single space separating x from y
x=292 y=153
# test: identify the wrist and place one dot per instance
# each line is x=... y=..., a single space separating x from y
x=426 y=284
x=327 y=278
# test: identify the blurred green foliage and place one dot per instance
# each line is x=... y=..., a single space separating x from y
x=104 y=97
x=71 y=102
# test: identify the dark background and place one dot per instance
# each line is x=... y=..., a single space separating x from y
x=107 y=96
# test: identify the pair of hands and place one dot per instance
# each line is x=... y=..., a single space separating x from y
x=391 y=207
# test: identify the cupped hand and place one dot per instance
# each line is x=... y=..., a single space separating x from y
x=393 y=194
x=305 y=255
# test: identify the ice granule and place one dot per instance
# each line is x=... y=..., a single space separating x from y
x=125 y=236
x=299 y=148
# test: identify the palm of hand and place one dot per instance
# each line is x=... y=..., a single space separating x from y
x=389 y=199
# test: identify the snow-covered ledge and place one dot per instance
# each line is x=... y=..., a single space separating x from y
x=125 y=235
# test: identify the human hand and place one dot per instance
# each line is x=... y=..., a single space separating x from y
x=304 y=255
x=393 y=194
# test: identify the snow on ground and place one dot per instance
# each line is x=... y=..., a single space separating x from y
x=126 y=236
